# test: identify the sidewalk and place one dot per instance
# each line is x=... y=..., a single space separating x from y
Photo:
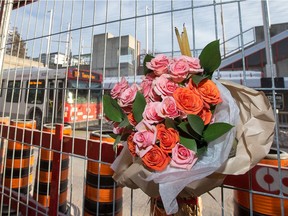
x=210 y=207
x=138 y=203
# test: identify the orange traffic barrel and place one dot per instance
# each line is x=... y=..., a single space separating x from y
x=102 y=194
x=262 y=205
x=3 y=144
x=19 y=161
x=42 y=187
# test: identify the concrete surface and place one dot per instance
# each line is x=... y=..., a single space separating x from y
x=136 y=203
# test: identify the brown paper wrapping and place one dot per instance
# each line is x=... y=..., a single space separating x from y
x=255 y=132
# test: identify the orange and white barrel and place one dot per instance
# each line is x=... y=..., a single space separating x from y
x=102 y=194
x=42 y=186
x=262 y=205
x=19 y=161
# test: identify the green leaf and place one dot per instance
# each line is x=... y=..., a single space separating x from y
x=213 y=131
x=169 y=123
x=186 y=128
x=113 y=135
x=124 y=123
x=210 y=57
x=197 y=79
x=201 y=151
x=188 y=143
x=147 y=58
x=117 y=140
x=138 y=107
x=196 y=123
x=111 y=109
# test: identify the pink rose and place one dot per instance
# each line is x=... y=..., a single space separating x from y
x=194 y=64
x=146 y=86
x=127 y=98
x=153 y=96
x=150 y=113
x=168 y=108
x=164 y=86
x=145 y=137
x=150 y=76
x=119 y=88
x=159 y=64
x=179 y=70
x=182 y=157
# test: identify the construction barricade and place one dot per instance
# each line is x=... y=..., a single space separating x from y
x=19 y=161
x=102 y=194
x=44 y=177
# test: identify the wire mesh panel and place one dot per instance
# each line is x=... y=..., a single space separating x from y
x=58 y=59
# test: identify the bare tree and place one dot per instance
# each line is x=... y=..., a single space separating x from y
x=15 y=46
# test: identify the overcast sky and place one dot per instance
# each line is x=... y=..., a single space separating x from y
x=87 y=18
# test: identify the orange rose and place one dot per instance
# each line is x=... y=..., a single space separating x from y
x=131 y=144
x=209 y=92
x=131 y=119
x=206 y=115
x=156 y=159
x=188 y=101
x=167 y=137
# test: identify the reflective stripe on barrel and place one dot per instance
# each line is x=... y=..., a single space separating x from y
x=19 y=161
x=102 y=194
x=42 y=195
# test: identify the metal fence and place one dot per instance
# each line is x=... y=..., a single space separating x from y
x=54 y=58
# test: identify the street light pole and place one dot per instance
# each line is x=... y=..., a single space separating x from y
x=49 y=37
x=270 y=67
x=147 y=34
x=6 y=8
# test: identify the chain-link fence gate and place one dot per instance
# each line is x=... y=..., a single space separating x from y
x=57 y=58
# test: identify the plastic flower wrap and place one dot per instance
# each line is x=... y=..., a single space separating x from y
x=177 y=127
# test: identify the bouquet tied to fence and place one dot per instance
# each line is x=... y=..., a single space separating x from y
x=177 y=127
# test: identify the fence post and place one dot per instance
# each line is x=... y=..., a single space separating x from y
x=56 y=145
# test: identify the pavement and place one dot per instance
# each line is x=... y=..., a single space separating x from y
x=137 y=203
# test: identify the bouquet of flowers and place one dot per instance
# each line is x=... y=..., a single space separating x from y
x=177 y=126
x=168 y=119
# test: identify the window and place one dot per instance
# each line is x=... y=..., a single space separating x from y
x=82 y=89
x=35 y=91
x=2 y=86
x=13 y=91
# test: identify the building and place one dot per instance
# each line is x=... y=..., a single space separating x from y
x=15 y=62
x=126 y=59
x=58 y=60
x=255 y=59
x=255 y=55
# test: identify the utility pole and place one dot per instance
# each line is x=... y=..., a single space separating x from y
x=147 y=27
x=6 y=8
x=223 y=29
x=270 y=67
x=68 y=45
x=49 y=38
